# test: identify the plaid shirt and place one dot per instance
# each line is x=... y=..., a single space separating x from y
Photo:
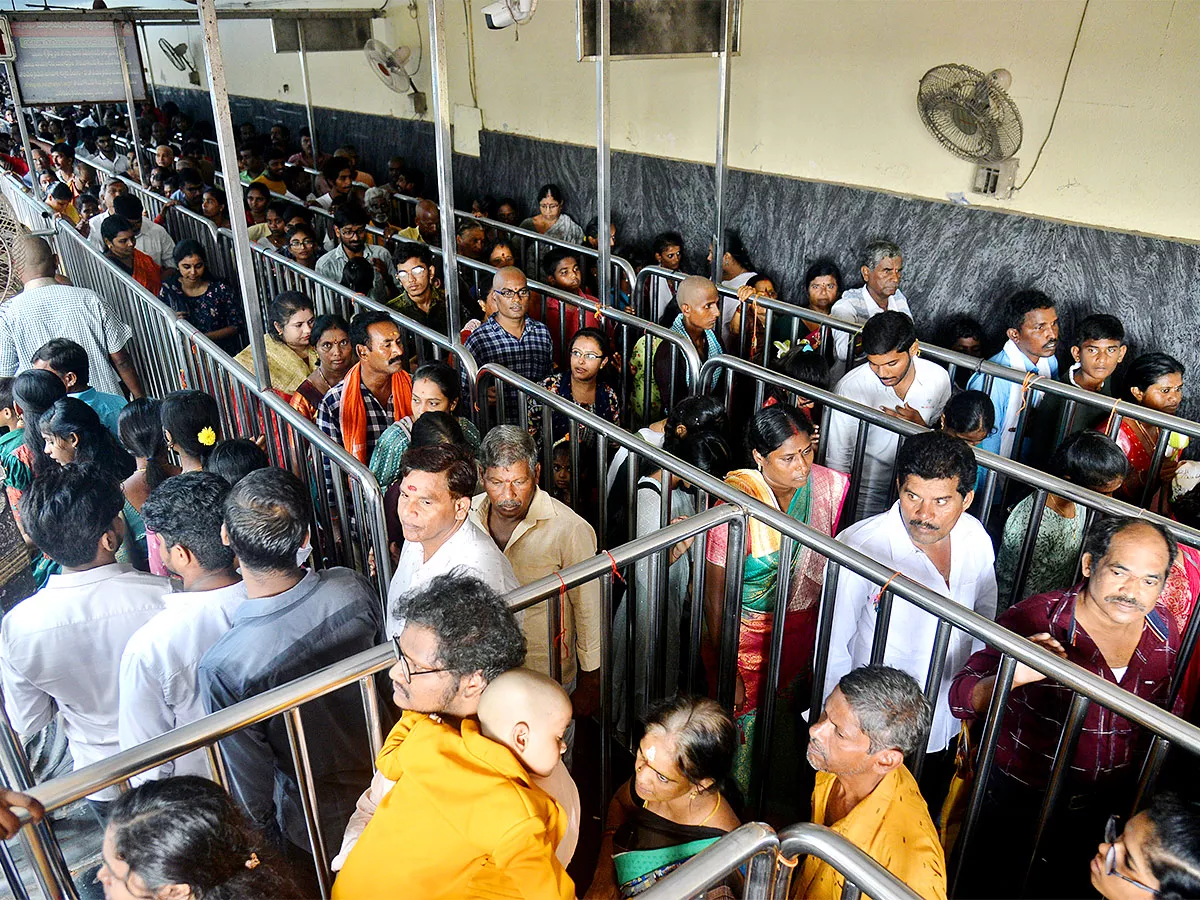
x=329 y=420
x=530 y=356
x=1036 y=713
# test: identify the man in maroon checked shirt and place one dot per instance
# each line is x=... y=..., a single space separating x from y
x=1110 y=624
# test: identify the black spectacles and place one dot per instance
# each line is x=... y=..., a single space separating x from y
x=1112 y=831
x=509 y=293
x=406 y=667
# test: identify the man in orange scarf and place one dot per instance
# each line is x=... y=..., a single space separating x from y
x=376 y=392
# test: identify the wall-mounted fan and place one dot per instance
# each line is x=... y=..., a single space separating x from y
x=969 y=112
x=388 y=65
x=177 y=55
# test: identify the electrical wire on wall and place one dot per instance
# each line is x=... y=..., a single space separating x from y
x=1062 y=90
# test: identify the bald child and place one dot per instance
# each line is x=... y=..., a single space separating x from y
x=465 y=818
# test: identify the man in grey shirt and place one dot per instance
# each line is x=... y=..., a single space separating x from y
x=292 y=623
x=350 y=226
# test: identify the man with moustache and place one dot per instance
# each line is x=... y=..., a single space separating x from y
x=928 y=537
x=873 y=718
x=894 y=381
x=1112 y=625
x=882 y=268
x=376 y=391
x=541 y=536
x=436 y=483
x=1032 y=342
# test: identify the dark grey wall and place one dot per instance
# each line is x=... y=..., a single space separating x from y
x=958 y=259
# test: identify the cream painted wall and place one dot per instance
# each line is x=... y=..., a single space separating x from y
x=825 y=89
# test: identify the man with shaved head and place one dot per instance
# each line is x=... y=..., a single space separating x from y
x=699 y=312
x=47 y=309
x=429 y=225
x=510 y=337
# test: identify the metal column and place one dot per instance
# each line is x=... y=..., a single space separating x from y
x=603 y=157
x=10 y=70
x=722 y=139
x=145 y=39
x=308 y=107
x=233 y=190
x=441 y=132
x=134 y=135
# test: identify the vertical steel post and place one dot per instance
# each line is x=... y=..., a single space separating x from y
x=441 y=132
x=603 y=156
x=134 y=135
x=251 y=302
x=141 y=29
x=308 y=796
x=722 y=162
x=308 y=107
x=11 y=72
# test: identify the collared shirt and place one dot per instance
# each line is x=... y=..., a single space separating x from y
x=437 y=318
x=729 y=306
x=549 y=539
x=326 y=617
x=857 y=305
x=469 y=551
x=158 y=671
x=529 y=355
x=157 y=243
x=332 y=263
x=107 y=406
x=61 y=649
x=911 y=633
x=379 y=417
x=47 y=309
x=928 y=394
x=1035 y=714
x=892 y=825
x=1006 y=396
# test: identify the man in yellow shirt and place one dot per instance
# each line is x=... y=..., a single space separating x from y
x=873 y=718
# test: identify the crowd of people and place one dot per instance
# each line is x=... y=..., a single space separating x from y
x=171 y=562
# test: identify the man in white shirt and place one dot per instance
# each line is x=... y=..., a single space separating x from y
x=436 y=484
x=113 y=189
x=60 y=650
x=882 y=266
x=736 y=271
x=895 y=381
x=928 y=537
x=158 y=669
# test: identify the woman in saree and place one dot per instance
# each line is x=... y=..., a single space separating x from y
x=290 y=356
x=672 y=807
x=1155 y=381
x=780 y=440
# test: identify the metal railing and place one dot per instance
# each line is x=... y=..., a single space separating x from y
x=1090 y=688
x=171 y=354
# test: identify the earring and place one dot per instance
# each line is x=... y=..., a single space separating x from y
x=694 y=794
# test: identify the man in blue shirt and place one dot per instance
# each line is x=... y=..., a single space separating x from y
x=69 y=361
x=293 y=622
x=1032 y=342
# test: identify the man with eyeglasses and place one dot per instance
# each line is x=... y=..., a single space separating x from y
x=293 y=622
x=1113 y=625
x=458 y=635
x=350 y=226
x=421 y=298
x=511 y=338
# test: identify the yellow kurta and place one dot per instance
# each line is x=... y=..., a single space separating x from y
x=288 y=370
x=893 y=826
x=464 y=820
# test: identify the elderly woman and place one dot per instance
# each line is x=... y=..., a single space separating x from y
x=780 y=442
x=672 y=807
x=552 y=220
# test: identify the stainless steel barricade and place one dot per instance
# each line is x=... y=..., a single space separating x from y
x=182 y=223
x=1091 y=688
x=170 y=354
x=30 y=211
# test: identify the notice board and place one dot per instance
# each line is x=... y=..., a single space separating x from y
x=75 y=62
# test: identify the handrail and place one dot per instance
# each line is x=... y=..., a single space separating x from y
x=66 y=789
x=720 y=860
x=1107 y=505
x=1067 y=673
x=1062 y=389
x=865 y=873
